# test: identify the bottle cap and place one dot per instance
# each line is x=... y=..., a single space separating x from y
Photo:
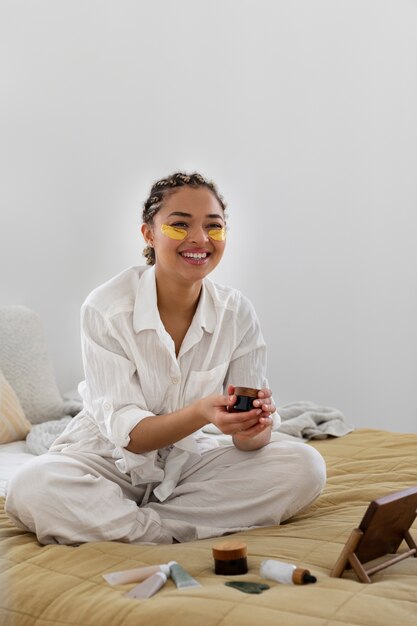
x=308 y=578
x=229 y=550
x=302 y=577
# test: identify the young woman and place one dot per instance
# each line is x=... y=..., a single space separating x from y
x=163 y=349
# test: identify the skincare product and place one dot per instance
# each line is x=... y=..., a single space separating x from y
x=230 y=558
x=245 y=398
x=148 y=587
x=181 y=578
x=285 y=573
x=135 y=575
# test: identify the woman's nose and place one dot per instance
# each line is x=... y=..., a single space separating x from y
x=198 y=234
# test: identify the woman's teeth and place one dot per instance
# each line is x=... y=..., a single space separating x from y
x=194 y=255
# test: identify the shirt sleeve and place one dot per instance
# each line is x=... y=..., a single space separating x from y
x=248 y=364
x=111 y=391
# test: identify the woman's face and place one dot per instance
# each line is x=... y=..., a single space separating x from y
x=196 y=215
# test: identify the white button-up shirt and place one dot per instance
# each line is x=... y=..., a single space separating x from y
x=132 y=371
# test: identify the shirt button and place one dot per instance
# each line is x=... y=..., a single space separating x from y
x=175 y=381
x=107 y=406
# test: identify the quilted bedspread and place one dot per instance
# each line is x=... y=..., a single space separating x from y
x=61 y=585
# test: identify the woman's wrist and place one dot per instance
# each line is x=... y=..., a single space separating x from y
x=199 y=410
x=253 y=443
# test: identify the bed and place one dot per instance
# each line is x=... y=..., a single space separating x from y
x=61 y=585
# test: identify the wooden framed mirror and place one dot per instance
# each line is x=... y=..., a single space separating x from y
x=383 y=528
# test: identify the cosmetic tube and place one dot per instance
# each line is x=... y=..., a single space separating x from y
x=135 y=575
x=285 y=573
x=148 y=587
x=181 y=578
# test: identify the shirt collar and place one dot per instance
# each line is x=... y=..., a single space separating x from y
x=146 y=314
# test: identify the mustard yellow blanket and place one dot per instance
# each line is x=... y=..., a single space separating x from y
x=60 y=585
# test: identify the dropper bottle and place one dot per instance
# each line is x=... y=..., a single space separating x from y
x=285 y=573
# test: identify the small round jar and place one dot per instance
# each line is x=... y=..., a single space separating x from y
x=245 y=398
x=230 y=558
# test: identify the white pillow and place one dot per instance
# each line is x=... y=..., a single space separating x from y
x=26 y=364
x=13 y=424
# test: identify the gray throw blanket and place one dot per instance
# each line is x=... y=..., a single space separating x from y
x=42 y=436
x=307 y=420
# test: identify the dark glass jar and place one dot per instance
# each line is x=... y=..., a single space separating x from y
x=245 y=398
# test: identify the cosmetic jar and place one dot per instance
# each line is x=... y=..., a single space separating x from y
x=230 y=558
x=245 y=398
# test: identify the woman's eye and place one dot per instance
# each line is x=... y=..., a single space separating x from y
x=219 y=226
x=180 y=225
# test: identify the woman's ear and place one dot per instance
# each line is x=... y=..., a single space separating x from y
x=147 y=234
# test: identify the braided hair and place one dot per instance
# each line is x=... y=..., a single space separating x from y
x=163 y=188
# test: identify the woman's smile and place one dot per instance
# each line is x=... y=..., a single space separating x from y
x=195 y=257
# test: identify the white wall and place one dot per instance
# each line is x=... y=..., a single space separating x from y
x=303 y=112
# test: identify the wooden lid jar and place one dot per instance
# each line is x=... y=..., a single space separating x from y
x=245 y=398
x=230 y=558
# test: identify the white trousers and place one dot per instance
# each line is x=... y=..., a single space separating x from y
x=75 y=497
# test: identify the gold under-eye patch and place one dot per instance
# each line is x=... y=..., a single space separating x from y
x=173 y=232
x=218 y=234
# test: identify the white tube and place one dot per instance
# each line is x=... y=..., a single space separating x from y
x=148 y=587
x=135 y=575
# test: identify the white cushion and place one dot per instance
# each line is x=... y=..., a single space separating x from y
x=26 y=364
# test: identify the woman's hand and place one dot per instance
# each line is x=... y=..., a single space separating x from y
x=243 y=425
x=214 y=409
x=259 y=434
